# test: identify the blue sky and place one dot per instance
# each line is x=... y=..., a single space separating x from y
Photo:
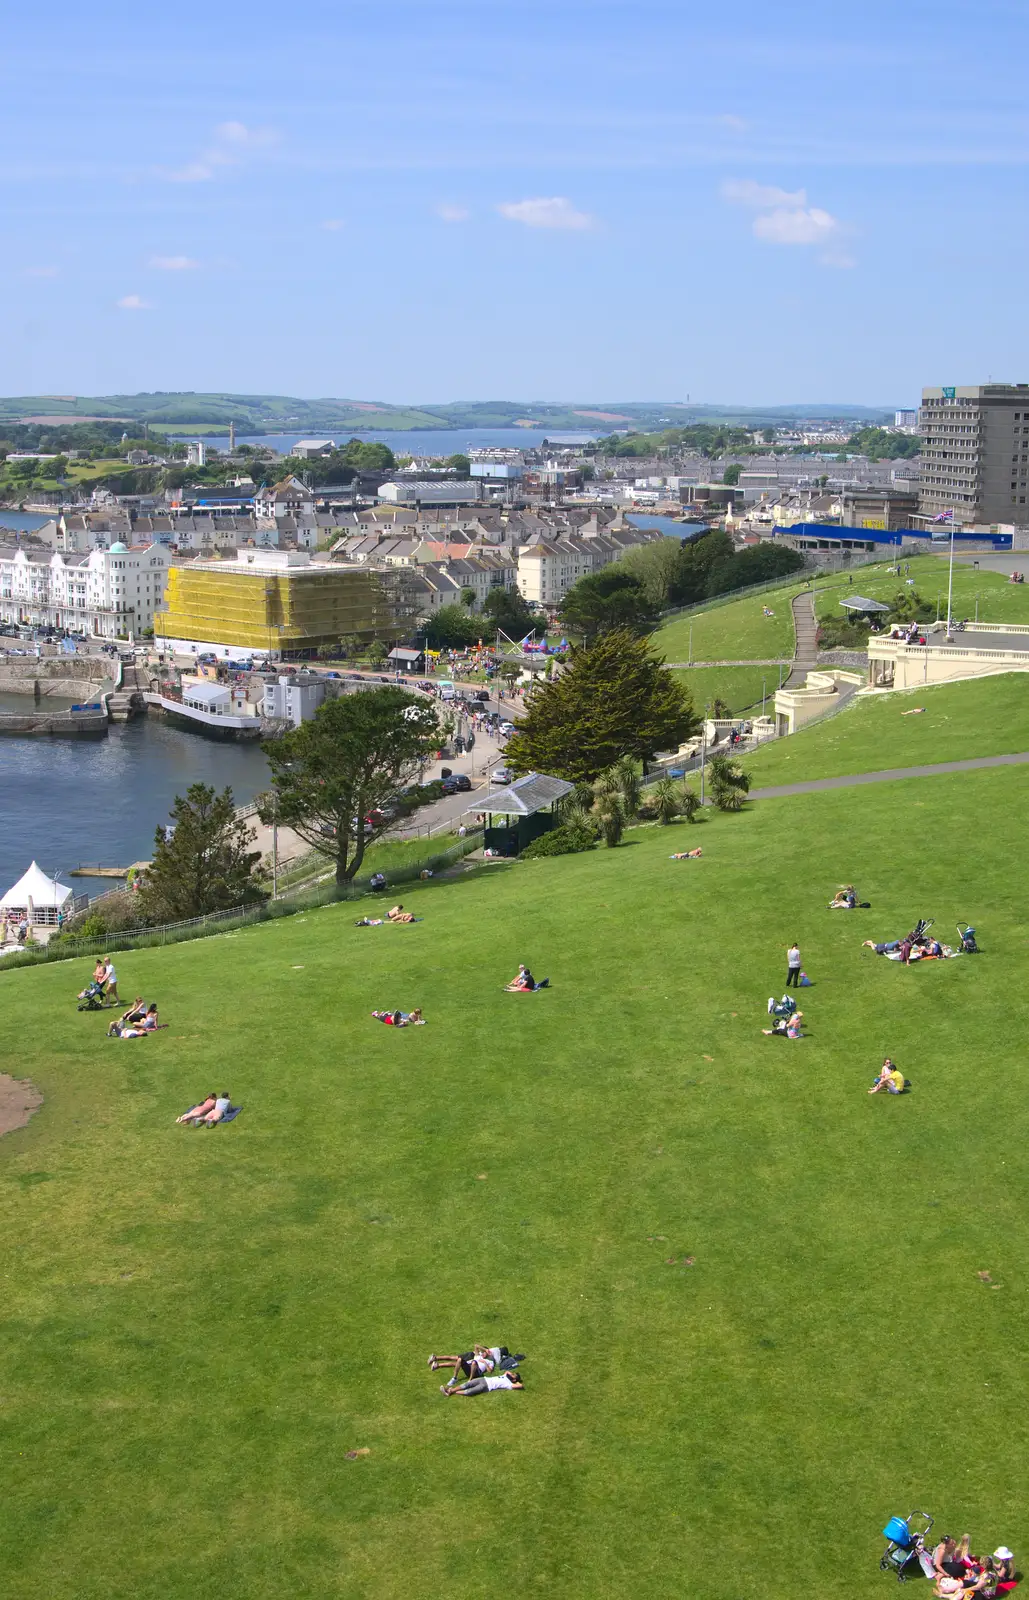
x=465 y=199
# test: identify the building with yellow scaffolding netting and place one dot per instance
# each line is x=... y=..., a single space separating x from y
x=275 y=601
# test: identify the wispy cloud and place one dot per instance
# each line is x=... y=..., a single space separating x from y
x=784 y=217
x=174 y=263
x=134 y=302
x=231 y=144
x=553 y=213
x=42 y=272
x=453 y=213
x=333 y=224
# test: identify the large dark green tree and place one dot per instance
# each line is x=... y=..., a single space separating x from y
x=452 y=628
x=207 y=864
x=612 y=598
x=508 y=611
x=615 y=698
x=332 y=773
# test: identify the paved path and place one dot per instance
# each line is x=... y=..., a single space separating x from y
x=814 y=785
x=805 y=656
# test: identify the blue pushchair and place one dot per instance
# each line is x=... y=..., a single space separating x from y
x=781 y=1008
x=92 y=997
x=904 y=1542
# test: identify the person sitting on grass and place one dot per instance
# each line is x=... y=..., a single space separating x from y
x=890 y=1079
x=844 y=899
x=787 y=1027
x=196 y=1112
x=135 y=1013
x=401 y=1019
x=525 y=983
x=398 y=914
x=686 y=855
x=148 y=1023
x=502 y=1380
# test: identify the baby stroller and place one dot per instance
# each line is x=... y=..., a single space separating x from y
x=781 y=1008
x=966 y=933
x=92 y=997
x=920 y=932
x=904 y=1543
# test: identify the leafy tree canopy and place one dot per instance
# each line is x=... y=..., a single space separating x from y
x=878 y=444
x=509 y=612
x=731 y=475
x=331 y=774
x=615 y=698
x=612 y=598
x=451 y=628
x=208 y=863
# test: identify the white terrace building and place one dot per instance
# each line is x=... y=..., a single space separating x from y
x=103 y=593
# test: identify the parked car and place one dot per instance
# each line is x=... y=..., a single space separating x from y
x=482 y=694
x=462 y=783
x=501 y=775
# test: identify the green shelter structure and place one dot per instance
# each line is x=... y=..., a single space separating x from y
x=519 y=813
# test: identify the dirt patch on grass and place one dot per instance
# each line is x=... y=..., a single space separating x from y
x=18 y=1100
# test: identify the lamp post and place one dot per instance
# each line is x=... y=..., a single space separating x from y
x=950 y=582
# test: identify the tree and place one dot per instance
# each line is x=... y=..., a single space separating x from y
x=659 y=568
x=509 y=612
x=459 y=464
x=614 y=699
x=451 y=628
x=332 y=774
x=729 y=783
x=609 y=811
x=665 y=799
x=626 y=774
x=759 y=564
x=205 y=865
x=611 y=598
x=377 y=653
x=468 y=597
x=731 y=475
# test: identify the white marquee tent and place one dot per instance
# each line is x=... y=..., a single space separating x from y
x=37 y=894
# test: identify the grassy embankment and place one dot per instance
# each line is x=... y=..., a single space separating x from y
x=744 y=1286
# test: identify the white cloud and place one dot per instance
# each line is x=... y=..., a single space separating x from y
x=333 y=224
x=760 y=196
x=554 y=213
x=173 y=263
x=784 y=217
x=232 y=142
x=134 y=302
x=453 y=213
x=42 y=272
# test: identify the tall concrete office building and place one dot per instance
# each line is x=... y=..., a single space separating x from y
x=975 y=451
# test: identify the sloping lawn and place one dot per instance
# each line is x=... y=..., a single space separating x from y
x=739 y=687
x=749 y=1293
x=983 y=717
x=999 y=600
x=736 y=631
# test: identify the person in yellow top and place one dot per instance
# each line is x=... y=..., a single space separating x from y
x=890 y=1078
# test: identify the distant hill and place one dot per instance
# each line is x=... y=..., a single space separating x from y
x=264 y=413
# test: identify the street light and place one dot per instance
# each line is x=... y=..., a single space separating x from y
x=950 y=581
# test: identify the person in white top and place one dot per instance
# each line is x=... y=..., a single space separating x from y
x=503 y=1380
x=110 y=981
x=793 y=965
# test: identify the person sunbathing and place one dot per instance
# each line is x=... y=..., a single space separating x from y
x=401 y=1019
x=148 y=1023
x=787 y=1027
x=488 y=1385
x=217 y=1111
x=196 y=1112
x=477 y=1362
x=135 y=1013
x=398 y=914
x=890 y=1079
x=686 y=855
x=844 y=899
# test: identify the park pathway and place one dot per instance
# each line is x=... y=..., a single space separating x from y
x=805 y=656
x=815 y=785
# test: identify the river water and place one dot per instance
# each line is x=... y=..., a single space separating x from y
x=416 y=442
x=68 y=802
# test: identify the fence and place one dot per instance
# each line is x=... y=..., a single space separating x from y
x=796 y=578
x=302 y=897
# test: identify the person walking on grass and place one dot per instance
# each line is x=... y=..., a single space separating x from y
x=793 y=965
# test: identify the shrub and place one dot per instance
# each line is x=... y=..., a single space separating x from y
x=564 y=841
x=609 y=811
x=664 y=801
x=729 y=784
x=689 y=803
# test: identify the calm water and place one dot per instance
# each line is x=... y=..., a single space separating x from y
x=23 y=521
x=430 y=442
x=64 y=802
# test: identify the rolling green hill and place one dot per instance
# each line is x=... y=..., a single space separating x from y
x=745 y=1288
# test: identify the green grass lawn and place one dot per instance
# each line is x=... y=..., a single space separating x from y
x=739 y=687
x=999 y=600
x=737 y=631
x=197 y=1326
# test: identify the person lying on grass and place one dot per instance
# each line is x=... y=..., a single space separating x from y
x=148 y=1023
x=890 y=1079
x=398 y=914
x=196 y=1112
x=478 y=1362
x=217 y=1111
x=787 y=1027
x=135 y=1013
x=686 y=855
x=502 y=1380
x=401 y=1019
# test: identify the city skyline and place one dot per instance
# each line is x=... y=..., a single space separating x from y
x=588 y=198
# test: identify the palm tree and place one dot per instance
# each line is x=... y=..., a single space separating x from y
x=609 y=812
x=665 y=799
x=627 y=776
x=729 y=784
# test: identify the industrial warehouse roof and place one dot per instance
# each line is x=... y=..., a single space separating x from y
x=859 y=603
x=525 y=796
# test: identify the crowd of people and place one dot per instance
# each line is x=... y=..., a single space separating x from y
x=484 y=1369
x=958 y=1572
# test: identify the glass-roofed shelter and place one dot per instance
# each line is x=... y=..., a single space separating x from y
x=520 y=812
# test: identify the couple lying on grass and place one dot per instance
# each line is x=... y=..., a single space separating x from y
x=212 y=1108
x=401 y=1019
x=525 y=983
x=135 y=1023
x=395 y=914
x=486 y=1368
